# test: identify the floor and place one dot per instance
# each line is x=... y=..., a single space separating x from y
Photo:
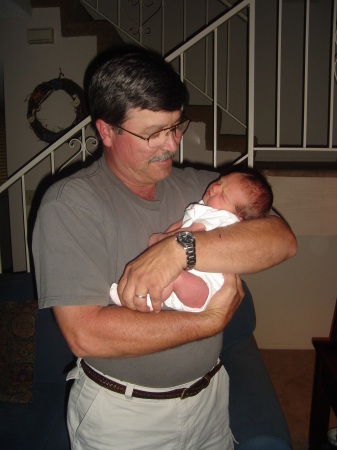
x=292 y=372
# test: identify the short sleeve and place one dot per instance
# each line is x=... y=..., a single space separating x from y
x=70 y=254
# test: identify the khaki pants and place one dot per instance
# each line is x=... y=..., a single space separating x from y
x=100 y=419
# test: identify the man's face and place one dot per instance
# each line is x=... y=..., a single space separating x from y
x=131 y=158
x=226 y=193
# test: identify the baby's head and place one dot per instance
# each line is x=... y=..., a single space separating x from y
x=245 y=193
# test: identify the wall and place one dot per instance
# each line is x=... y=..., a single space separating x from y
x=295 y=300
x=25 y=67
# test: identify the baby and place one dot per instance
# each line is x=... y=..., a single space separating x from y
x=233 y=197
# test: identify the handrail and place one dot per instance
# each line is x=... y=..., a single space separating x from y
x=225 y=17
x=169 y=58
x=211 y=97
x=44 y=154
x=69 y=137
x=49 y=151
x=210 y=28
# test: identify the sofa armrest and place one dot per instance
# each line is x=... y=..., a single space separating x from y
x=256 y=416
x=243 y=322
x=53 y=358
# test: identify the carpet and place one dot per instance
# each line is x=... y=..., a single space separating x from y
x=292 y=374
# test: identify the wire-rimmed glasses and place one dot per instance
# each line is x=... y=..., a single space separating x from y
x=159 y=137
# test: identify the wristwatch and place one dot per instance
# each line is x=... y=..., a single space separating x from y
x=187 y=241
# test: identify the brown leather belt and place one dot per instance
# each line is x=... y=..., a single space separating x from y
x=181 y=393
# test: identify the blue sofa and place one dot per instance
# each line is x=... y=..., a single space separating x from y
x=257 y=420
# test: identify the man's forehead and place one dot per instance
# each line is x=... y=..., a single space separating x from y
x=155 y=120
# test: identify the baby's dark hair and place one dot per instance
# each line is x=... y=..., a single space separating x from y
x=259 y=193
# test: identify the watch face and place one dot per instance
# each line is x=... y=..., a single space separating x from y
x=185 y=237
x=187 y=241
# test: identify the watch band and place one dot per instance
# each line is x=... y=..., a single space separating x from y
x=187 y=241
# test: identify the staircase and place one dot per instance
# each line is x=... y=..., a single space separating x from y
x=76 y=21
x=229 y=118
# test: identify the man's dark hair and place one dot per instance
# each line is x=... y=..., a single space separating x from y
x=134 y=78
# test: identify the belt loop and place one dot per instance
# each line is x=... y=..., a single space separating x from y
x=74 y=373
x=207 y=378
x=129 y=391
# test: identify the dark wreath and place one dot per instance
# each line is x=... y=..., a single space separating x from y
x=41 y=93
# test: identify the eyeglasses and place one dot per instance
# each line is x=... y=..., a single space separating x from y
x=158 y=138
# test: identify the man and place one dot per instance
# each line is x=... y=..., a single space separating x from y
x=143 y=380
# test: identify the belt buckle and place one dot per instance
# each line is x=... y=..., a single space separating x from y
x=203 y=383
x=184 y=394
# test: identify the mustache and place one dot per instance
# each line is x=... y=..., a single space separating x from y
x=163 y=157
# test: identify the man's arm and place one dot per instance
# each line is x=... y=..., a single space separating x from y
x=108 y=332
x=244 y=247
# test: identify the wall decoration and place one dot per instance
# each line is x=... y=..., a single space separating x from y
x=41 y=93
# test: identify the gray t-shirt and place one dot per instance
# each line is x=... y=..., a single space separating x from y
x=89 y=226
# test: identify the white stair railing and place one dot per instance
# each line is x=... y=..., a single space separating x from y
x=76 y=137
x=159 y=9
x=212 y=29
x=303 y=141
x=333 y=79
x=49 y=152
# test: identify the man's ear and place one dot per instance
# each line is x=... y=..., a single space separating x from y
x=105 y=130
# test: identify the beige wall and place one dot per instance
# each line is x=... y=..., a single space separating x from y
x=295 y=300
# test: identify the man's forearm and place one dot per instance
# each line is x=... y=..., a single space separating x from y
x=245 y=247
x=111 y=331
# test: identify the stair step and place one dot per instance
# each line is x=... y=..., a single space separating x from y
x=225 y=142
x=76 y=21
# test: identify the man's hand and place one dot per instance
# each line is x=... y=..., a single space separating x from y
x=226 y=301
x=150 y=273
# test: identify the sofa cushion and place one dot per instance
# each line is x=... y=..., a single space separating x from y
x=37 y=425
x=53 y=358
x=256 y=416
x=17 y=350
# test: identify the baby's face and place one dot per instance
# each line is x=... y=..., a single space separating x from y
x=225 y=193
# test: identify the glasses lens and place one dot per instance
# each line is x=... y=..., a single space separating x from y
x=159 y=138
x=181 y=128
